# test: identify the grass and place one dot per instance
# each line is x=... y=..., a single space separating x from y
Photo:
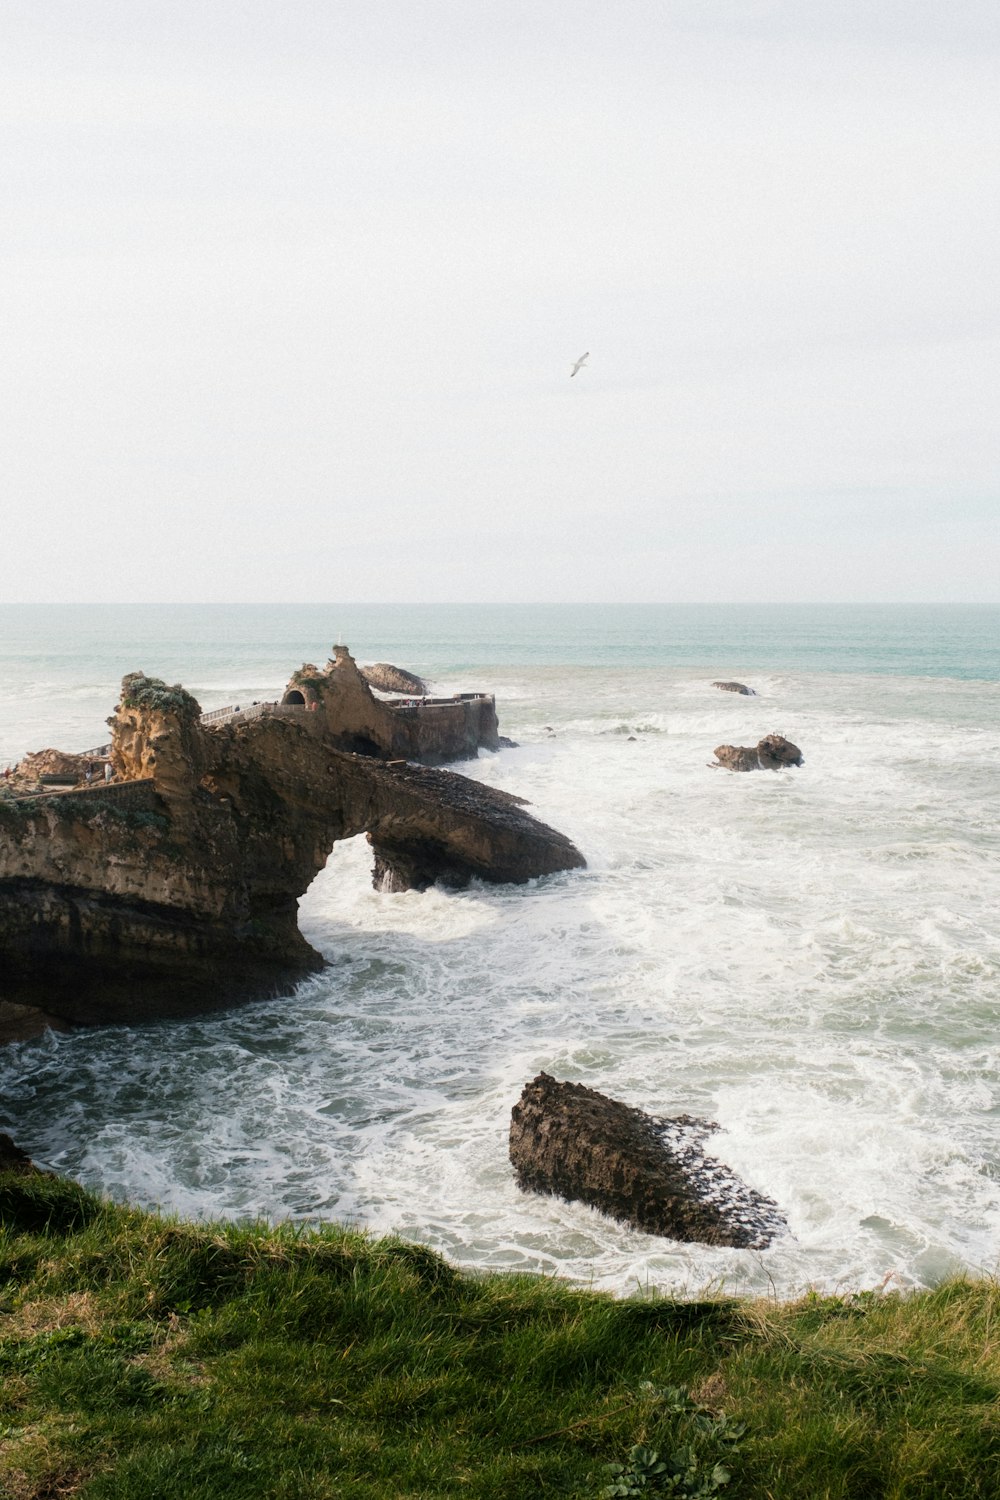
x=145 y=1359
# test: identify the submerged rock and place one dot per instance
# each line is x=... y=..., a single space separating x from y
x=772 y=753
x=652 y=1173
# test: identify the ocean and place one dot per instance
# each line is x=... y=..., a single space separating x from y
x=810 y=958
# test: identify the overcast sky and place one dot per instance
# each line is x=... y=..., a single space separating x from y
x=292 y=292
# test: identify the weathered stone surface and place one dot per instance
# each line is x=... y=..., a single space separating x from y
x=772 y=753
x=433 y=730
x=578 y=1144
x=33 y=769
x=736 y=687
x=177 y=887
x=389 y=679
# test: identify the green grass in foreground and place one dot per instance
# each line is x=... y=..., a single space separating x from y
x=142 y=1359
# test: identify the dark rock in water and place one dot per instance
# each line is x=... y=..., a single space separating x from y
x=578 y=1144
x=389 y=679
x=736 y=687
x=13 y=1159
x=772 y=753
x=505 y=743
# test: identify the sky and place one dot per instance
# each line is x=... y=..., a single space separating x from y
x=291 y=294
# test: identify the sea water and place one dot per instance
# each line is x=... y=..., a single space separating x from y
x=810 y=958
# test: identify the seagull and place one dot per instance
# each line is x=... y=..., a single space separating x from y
x=579 y=365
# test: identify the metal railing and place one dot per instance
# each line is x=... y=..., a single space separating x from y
x=252 y=711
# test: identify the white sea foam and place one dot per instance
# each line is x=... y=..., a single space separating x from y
x=811 y=958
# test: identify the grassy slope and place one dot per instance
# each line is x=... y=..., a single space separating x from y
x=142 y=1358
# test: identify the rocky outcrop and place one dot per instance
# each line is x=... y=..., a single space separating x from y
x=389 y=679
x=41 y=766
x=578 y=1144
x=13 y=1159
x=772 y=753
x=431 y=730
x=736 y=687
x=177 y=886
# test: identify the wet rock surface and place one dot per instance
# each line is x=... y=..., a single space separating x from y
x=772 y=753
x=653 y=1173
x=736 y=687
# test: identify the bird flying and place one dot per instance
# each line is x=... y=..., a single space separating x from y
x=579 y=365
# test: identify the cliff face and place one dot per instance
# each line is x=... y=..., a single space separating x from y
x=177 y=886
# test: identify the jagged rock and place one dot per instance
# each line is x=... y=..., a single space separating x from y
x=390 y=679
x=736 y=687
x=431 y=730
x=578 y=1144
x=772 y=753
x=41 y=766
x=13 y=1159
x=177 y=887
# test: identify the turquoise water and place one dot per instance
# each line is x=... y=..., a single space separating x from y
x=59 y=662
x=960 y=641
x=811 y=958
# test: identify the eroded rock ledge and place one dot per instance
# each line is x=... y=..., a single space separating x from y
x=578 y=1144
x=177 y=885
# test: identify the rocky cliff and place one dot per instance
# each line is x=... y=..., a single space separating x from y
x=177 y=885
x=433 y=730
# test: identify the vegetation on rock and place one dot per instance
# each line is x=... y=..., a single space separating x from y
x=140 y=691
